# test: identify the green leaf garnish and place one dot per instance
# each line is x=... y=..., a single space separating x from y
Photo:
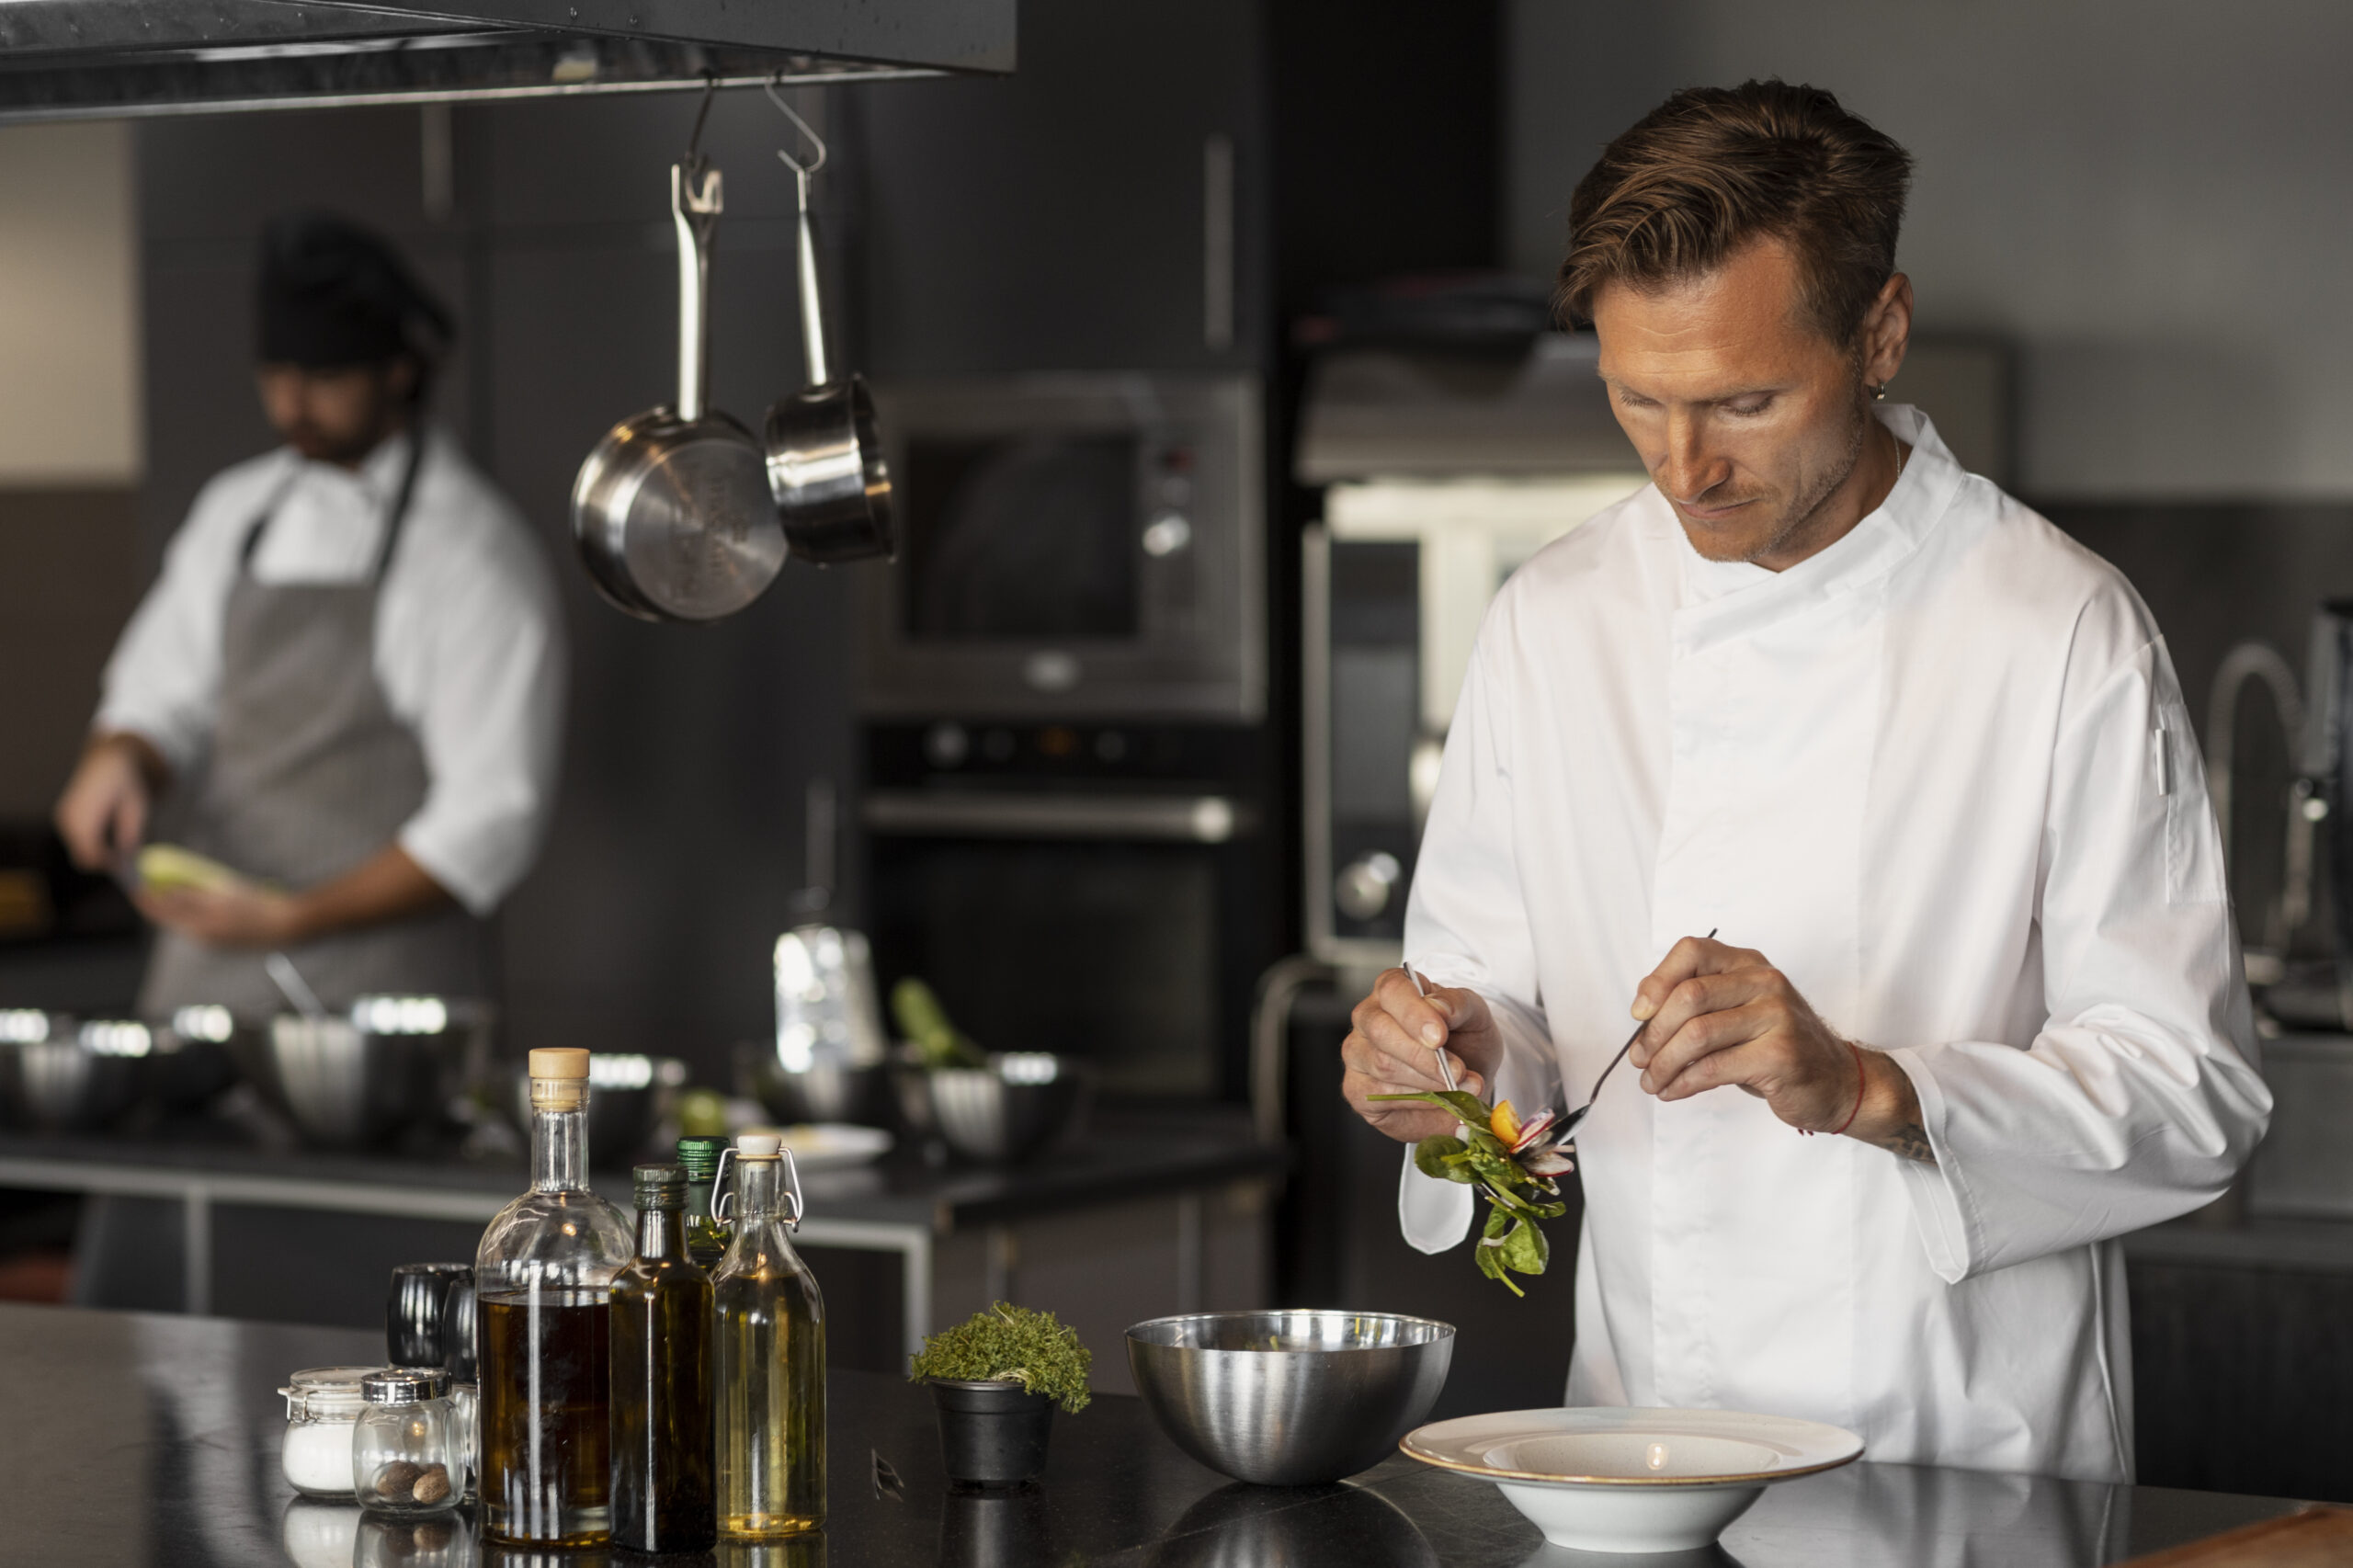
x=1512 y=1242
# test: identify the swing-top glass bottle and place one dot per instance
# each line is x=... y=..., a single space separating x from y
x=767 y=1358
x=543 y=1279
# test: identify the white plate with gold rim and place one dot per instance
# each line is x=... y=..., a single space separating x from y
x=1612 y=1479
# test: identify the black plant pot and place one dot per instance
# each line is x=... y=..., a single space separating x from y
x=992 y=1434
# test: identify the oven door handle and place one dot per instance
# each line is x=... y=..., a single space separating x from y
x=938 y=814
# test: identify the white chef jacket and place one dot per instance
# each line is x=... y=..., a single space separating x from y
x=470 y=646
x=1941 y=776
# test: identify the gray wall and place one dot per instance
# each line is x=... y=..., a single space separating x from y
x=677 y=839
x=2147 y=197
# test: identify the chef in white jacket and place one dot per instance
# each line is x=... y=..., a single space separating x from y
x=348 y=683
x=1920 y=759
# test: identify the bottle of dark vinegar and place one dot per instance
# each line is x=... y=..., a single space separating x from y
x=542 y=1289
x=662 y=1435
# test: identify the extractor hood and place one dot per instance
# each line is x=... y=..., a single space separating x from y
x=86 y=58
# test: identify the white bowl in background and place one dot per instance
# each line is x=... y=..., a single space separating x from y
x=1612 y=1479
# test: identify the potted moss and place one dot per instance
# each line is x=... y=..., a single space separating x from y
x=996 y=1378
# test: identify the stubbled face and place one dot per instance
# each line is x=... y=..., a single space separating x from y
x=1751 y=421
x=337 y=415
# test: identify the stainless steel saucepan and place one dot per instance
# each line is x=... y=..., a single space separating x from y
x=671 y=512
x=825 y=468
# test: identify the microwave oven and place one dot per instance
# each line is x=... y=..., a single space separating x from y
x=1072 y=547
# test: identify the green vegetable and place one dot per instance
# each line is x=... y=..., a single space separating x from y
x=1512 y=1242
x=925 y=1023
x=1010 y=1345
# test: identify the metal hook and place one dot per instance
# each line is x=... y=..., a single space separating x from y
x=791 y=1183
x=776 y=96
x=719 y=1185
x=694 y=142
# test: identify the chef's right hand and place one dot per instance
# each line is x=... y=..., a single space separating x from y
x=1394 y=1047
x=102 y=815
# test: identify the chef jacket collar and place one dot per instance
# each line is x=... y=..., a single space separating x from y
x=1725 y=599
x=372 y=486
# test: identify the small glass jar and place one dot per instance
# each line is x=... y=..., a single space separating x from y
x=404 y=1456
x=323 y=1407
x=465 y=1436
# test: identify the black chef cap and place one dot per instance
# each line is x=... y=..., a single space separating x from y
x=335 y=294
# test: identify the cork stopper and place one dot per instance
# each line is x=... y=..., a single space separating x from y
x=559 y=1078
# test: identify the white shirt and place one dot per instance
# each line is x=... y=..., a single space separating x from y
x=470 y=645
x=1941 y=776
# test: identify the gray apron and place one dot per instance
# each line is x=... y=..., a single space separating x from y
x=310 y=775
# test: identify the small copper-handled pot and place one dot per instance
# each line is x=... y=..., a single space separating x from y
x=825 y=469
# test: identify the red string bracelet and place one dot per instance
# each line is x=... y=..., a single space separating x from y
x=1859 y=1081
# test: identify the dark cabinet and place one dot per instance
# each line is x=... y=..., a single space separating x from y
x=1098 y=210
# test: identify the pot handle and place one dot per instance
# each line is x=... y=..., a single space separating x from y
x=812 y=310
x=696 y=199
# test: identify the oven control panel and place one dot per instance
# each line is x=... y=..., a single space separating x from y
x=941 y=752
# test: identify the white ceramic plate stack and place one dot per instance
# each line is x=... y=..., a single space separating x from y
x=1607 y=1479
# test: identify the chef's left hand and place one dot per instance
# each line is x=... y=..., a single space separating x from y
x=245 y=914
x=1715 y=1014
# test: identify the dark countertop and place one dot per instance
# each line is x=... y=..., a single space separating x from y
x=2300 y=1245
x=132 y=1439
x=1118 y=1157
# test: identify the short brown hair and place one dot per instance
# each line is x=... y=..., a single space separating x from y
x=1712 y=168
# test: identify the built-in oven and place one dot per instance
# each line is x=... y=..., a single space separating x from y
x=1073 y=546
x=1102 y=889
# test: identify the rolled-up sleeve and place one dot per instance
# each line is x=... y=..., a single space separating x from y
x=488 y=713
x=1466 y=926
x=2137 y=1101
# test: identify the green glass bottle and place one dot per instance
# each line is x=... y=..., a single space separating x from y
x=705 y=1237
x=661 y=1337
x=767 y=1360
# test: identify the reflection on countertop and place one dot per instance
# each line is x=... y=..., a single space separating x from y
x=154 y=1441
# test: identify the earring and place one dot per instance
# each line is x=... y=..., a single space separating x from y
x=1880 y=396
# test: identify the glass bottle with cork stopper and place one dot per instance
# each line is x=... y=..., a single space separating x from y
x=705 y=1237
x=767 y=1358
x=542 y=1282
x=662 y=1500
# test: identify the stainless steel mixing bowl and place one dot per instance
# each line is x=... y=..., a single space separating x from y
x=1289 y=1398
x=823 y=1091
x=1002 y=1113
x=61 y=1076
x=361 y=1079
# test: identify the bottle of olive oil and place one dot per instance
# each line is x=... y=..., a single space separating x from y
x=662 y=1378
x=542 y=1287
x=705 y=1237
x=768 y=1360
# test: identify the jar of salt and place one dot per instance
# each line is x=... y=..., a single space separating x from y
x=405 y=1459
x=323 y=1407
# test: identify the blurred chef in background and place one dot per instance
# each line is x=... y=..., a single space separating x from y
x=344 y=694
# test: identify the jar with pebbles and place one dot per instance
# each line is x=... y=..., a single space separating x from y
x=404 y=1453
